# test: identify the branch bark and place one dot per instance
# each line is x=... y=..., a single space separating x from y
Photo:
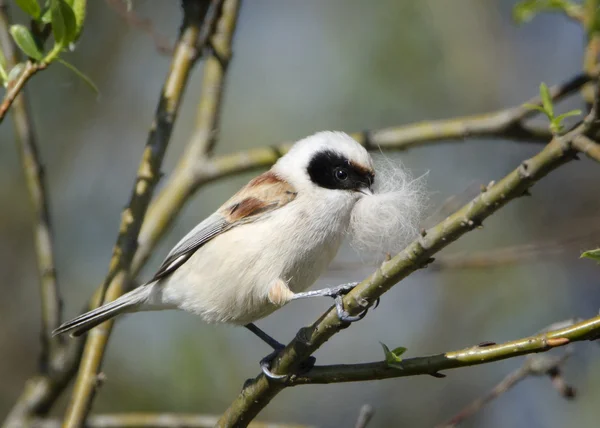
x=30 y=69
x=118 y=277
x=184 y=180
x=534 y=365
x=36 y=186
x=587 y=146
x=432 y=365
x=257 y=394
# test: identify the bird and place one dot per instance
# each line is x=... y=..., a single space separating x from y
x=263 y=247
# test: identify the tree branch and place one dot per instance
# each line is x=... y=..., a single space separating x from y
x=508 y=124
x=184 y=181
x=30 y=69
x=151 y=420
x=34 y=177
x=434 y=364
x=364 y=416
x=257 y=394
x=117 y=280
x=592 y=49
x=534 y=365
x=587 y=146
x=42 y=391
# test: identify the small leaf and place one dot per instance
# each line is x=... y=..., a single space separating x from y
x=63 y=22
x=3 y=74
x=79 y=9
x=15 y=72
x=393 y=357
x=592 y=254
x=524 y=11
x=80 y=74
x=535 y=107
x=25 y=41
x=46 y=16
x=399 y=351
x=30 y=7
x=561 y=117
x=546 y=100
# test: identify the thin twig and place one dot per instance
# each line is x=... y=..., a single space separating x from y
x=364 y=416
x=433 y=364
x=17 y=85
x=183 y=182
x=592 y=49
x=117 y=280
x=29 y=69
x=34 y=177
x=534 y=365
x=518 y=253
x=151 y=420
x=54 y=355
x=256 y=394
x=42 y=391
x=587 y=146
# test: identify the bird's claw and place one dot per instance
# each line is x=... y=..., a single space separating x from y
x=265 y=366
x=343 y=315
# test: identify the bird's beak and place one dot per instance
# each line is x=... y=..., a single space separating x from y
x=365 y=191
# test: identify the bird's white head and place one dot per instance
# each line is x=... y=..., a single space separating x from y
x=329 y=161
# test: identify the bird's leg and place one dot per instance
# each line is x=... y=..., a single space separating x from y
x=265 y=363
x=265 y=337
x=336 y=293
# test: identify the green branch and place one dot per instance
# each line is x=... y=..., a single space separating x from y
x=417 y=255
x=118 y=278
x=434 y=364
x=183 y=182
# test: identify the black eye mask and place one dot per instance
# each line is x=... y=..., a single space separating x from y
x=332 y=170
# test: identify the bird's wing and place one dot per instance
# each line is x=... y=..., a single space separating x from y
x=265 y=193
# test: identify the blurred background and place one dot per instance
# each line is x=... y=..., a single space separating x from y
x=299 y=67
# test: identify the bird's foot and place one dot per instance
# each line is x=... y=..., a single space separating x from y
x=266 y=362
x=337 y=293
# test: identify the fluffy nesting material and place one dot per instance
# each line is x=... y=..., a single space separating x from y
x=387 y=221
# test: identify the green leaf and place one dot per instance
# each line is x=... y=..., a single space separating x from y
x=80 y=74
x=561 y=117
x=3 y=74
x=79 y=8
x=46 y=16
x=25 y=41
x=64 y=24
x=592 y=254
x=30 y=7
x=15 y=72
x=546 y=100
x=535 y=107
x=556 y=125
x=393 y=357
x=524 y=11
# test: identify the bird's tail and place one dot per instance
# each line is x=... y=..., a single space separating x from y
x=128 y=302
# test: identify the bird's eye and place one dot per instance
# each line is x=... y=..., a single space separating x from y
x=341 y=174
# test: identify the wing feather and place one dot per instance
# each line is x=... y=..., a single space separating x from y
x=265 y=193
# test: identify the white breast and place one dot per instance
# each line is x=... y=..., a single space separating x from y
x=228 y=279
